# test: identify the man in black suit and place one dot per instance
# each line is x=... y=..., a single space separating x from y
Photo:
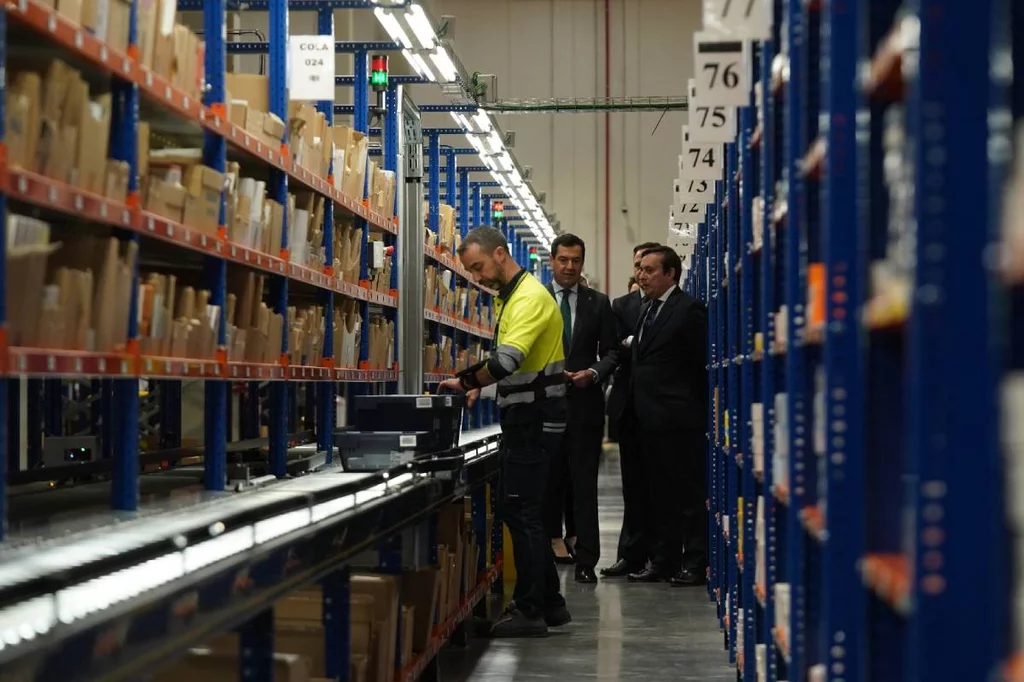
x=668 y=396
x=633 y=550
x=591 y=352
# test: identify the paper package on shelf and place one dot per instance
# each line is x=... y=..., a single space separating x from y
x=184 y=327
x=347 y=347
x=780 y=458
x=356 y=147
x=757 y=435
x=761 y=564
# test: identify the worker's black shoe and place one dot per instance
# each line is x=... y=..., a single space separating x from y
x=557 y=616
x=620 y=569
x=649 y=575
x=517 y=624
x=687 y=577
x=585 y=574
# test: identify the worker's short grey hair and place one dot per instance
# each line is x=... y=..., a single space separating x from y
x=487 y=238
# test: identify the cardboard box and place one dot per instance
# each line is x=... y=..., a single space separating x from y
x=208 y=665
x=164 y=198
x=384 y=590
x=254 y=89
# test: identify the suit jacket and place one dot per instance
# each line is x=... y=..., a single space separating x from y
x=627 y=312
x=594 y=346
x=669 y=387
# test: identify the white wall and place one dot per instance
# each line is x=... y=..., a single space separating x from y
x=556 y=48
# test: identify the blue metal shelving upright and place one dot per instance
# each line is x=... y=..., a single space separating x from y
x=871 y=532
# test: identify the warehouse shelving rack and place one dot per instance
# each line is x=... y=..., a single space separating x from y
x=892 y=542
x=321 y=522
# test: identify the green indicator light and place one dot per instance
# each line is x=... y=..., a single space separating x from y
x=379 y=78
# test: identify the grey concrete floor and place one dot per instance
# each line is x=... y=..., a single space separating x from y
x=620 y=631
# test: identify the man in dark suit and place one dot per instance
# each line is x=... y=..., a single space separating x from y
x=591 y=352
x=633 y=550
x=668 y=396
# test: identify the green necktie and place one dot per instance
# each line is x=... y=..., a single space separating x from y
x=566 y=321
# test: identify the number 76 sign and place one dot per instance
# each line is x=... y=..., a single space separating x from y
x=722 y=66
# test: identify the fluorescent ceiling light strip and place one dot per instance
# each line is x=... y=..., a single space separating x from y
x=417 y=20
x=394 y=29
x=209 y=552
x=276 y=526
x=419 y=66
x=78 y=601
x=444 y=65
x=27 y=620
x=333 y=507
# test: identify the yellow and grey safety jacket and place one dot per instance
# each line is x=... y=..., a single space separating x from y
x=527 y=359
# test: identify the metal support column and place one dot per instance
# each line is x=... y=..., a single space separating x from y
x=411 y=250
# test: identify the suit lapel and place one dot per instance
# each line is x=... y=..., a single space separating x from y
x=583 y=298
x=659 y=321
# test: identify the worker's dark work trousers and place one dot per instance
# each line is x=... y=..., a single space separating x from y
x=676 y=471
x=634 y=540
x=575 y=468
x=531 y=435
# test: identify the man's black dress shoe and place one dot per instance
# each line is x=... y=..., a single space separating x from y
x=649 y=575
x=619 y=569
x=687 y=577
x=585 y=574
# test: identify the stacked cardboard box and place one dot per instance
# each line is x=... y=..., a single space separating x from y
x=437 y=357
x=306 y=331
x=382 y=189
x=55 y=128
x=109 y=20
x=87 y=302
x=445 y=236
x=249 y=98
x=467 y=357
x=348 y=326
x=350 y=174
x=348 y=250
x=382 y=348
x=310 y=138
x=379 y=264
x=182 y=328
x=254 y=331
x=169 y=48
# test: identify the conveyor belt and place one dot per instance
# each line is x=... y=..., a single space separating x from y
x=172 y=575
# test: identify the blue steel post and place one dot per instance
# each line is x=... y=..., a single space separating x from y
x=474 y=205
x=215 y=432
x=434 y=182
x=125 y=478
x=958 y=629
x=465 y=203
x=768 y=382
x=733 y=466
x=845 y=604
x=361 y=116
x=326 y=390
x=745 y=275
x=278 y=191
x=391 y=142
x=336 y=619
x=256 y=644
x=451 y=183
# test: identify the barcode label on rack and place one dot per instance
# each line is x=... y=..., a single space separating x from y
x=722 y=70
x=709 y=122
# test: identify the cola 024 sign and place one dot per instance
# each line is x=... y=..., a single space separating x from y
x=311 y=68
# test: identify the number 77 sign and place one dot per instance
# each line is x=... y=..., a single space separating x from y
x=750 y=19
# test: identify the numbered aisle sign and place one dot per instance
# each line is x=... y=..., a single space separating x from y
x=692 y=190
x=710 y=122
x=750 y=19
x=690 y=211
x=311 y=68
x=700 y=160
x=723 y=70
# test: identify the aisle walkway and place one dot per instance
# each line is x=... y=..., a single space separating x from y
x=620 y=631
